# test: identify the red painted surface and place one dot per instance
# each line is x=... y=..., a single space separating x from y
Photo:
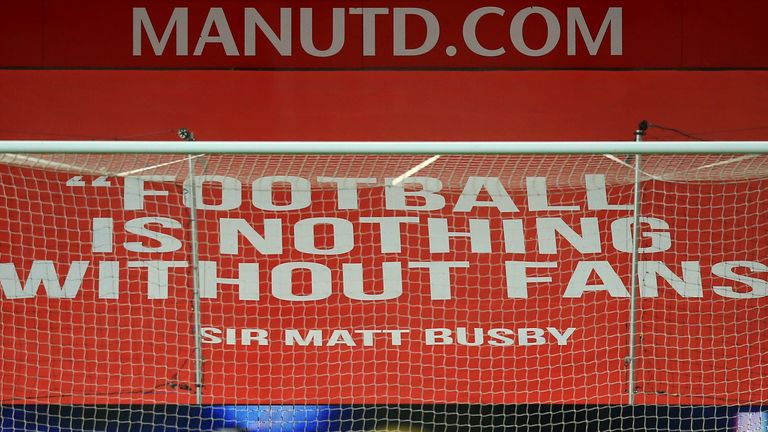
x=220 y=105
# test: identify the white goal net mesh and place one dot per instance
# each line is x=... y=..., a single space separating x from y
x=382 y=292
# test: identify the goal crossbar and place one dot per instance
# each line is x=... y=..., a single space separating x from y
x=388 y=147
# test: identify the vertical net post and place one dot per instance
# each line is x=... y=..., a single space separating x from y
x=195 y=282
x=634 y=276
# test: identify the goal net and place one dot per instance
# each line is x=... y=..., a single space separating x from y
x=439 y=290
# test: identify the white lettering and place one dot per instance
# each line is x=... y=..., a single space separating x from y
x=562 y=338
x=392 y=282
x=270 y=243
x=399 y=31
x=247 y=281
x=178 y=20
x=102 y=237
x=283 y=287
x=597 y=194
x=530 y=336
x=438 y=336
x=109 y=280
x=134 y=192
x=470 y=31
x=42 y=272
x=337 y=32
x=517 y=276
x=210 y=335
x=216 y=18
x=587 y=242
x=294 y=337
x=688 y=286
x=537 y=196
x=612 y=19
x=231 y=192
x=500 y=199
x=346 y=189
x=514 y=235
x=369 y=27
x=281 y=43
x=299 y=189
x=622 y=230
x=758 y=287
x=479 y=235
x=389 y=231
x=167 y=242
x=577 y=285
x=518 y=38
x=440 y=276
x=157 y=276
x=342 y=233
x=396 y=195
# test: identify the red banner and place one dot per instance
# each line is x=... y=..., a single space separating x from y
x=447 y=287
x=329 y=34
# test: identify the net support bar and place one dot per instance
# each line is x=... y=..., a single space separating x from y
x=634 y=275
x=195 y=283
x=381 y=147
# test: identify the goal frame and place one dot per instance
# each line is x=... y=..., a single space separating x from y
x=192 y=149
x=388 y=147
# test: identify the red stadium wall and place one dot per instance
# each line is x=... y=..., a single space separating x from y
x=378 y=105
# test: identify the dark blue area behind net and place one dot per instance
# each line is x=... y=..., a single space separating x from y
x=312 y=418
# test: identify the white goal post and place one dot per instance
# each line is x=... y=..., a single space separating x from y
x=360 y=274
x=387 y=147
